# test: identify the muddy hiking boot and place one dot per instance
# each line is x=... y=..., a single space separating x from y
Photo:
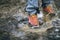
x=49 y=8
x=35 y=21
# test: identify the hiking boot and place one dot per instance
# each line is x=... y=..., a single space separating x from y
x=49 y=8
x=33 y=20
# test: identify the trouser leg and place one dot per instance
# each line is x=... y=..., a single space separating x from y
x=32 y=6
x=46 y=2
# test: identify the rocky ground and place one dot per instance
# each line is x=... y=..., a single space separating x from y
x=11 y=11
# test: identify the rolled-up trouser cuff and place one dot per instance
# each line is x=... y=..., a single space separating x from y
x=32 y=6
x=32 y=11
x=46 y=2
